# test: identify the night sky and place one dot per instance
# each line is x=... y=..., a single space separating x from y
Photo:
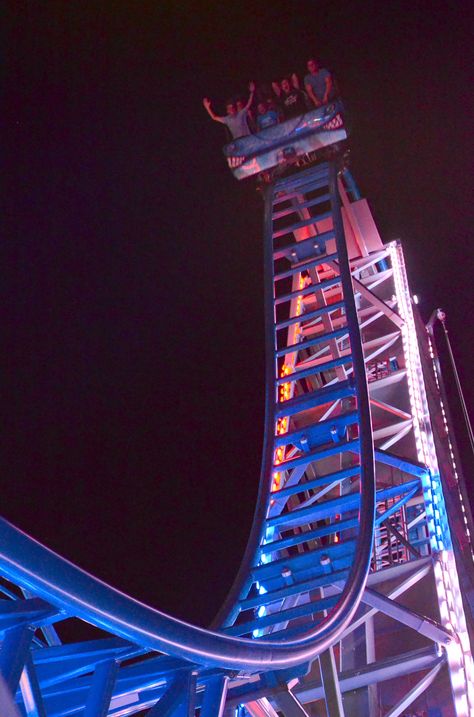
x=132 y=293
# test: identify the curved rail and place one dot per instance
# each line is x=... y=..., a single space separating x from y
x=69 y=591
x=367 y=509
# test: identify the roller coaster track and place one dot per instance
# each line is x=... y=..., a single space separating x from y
x=343 y=527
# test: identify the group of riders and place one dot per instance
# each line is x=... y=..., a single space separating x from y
x=268 y=105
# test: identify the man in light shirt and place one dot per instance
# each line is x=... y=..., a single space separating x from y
x=235 y=120
x=318 y=83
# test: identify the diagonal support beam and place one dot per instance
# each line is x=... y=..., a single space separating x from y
x=398 y=590
x=416 y=691
x=309 y=691
x=215 y=694
x=32 y=611
x=330 y=680
x=7 y=706
x=388 y=606
x=290 y=705
x=13 y=655
x=30 y=690
x=424 y=625
x=261 y=707
x=100 y=693
x=371 y=298
x=179 y=698
x=401 y=538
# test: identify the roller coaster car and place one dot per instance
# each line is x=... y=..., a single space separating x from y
x=283 y=144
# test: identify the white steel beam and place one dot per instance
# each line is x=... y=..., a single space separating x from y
x=424 y=569
x=372 y=298
x=290 y=705
x=392 y=668
x=416 y=691
x=261 y=708
x=330 y=680
x=423 y=625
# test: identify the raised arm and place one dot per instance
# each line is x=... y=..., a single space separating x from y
x=295 y=81
x=276 y=88
x=252 y=90
x=207 y=106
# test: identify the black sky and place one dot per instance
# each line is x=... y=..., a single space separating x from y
x=132 y=299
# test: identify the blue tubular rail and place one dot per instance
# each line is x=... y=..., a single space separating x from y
x=323 y=452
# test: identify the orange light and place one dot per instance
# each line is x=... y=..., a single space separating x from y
x=285 y=388
x=276 y=483
x=282 y=424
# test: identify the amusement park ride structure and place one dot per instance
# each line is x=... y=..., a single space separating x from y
x=355 y=595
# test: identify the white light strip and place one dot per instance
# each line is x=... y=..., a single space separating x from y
x=451 y=609
x=450 y=446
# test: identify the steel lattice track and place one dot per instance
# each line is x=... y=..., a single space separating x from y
x=312 y=546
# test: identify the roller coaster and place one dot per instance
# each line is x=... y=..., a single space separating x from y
x=355 y=595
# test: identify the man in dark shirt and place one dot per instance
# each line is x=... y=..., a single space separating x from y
x=293 y=101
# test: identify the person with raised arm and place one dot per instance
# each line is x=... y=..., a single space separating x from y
x=235 y=120
x=292 y=100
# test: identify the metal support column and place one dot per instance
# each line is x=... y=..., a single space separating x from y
x=213 y=701
x=370 y=657
x=13 y=654
x=179 y=698
x=332 y=692
x=98 y=701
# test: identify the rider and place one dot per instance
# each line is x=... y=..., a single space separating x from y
x=266 y=116
x=318 y=83
x=293 y=101
x=235 y=120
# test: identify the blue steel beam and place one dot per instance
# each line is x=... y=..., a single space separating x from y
x=330 y=508
x=311 y=314
x=318 y=433
x=31 y=691
x=301 y=205
x=100 y=692
x=26 y=612
x=299 y=225
x=338 y=476
x=179 y=699
x=260 y=622
x=410 y=467
x=322 y=286
x=215 y=693
x=309 y=535
x=308 y=343
x=303 y=266
x=352 y=446
x=14 y=652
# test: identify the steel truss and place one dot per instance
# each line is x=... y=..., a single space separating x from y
x=348 y=598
